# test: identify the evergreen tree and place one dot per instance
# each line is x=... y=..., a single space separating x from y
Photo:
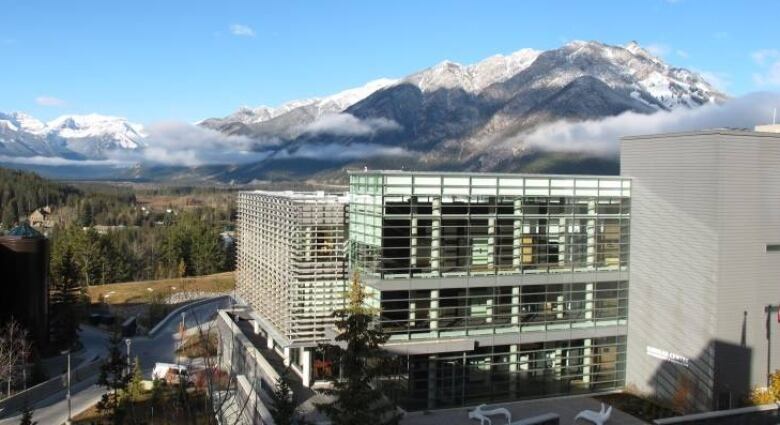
x=27 y=416
x=115 y=378
x=283 y=408
x=356 y=400
x=135 y=387
x=64 y=297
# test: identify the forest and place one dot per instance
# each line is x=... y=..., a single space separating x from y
x=137 y=241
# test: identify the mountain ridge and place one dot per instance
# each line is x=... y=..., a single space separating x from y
x=474 y=114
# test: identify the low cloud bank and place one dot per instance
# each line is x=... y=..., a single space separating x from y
x=601 y=137
x=344 y=124
x=59 y=162
x=339 y=152
x=178 y=143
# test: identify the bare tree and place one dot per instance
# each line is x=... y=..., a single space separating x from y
x=14 y=350
x=221 y=385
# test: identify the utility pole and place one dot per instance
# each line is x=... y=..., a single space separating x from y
x=67 y=394
x=769 y=309
x=128 y=341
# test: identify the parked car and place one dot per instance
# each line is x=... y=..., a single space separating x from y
x=171 y=373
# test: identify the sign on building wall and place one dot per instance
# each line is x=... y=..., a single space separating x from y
x=667 y=356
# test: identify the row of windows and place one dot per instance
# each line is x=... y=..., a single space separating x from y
x=491 y=374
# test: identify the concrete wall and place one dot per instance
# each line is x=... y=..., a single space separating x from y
x=704 y=207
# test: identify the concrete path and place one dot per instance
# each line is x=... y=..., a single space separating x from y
x=161 y=348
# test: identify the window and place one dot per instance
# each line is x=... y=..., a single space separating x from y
x=773 y=248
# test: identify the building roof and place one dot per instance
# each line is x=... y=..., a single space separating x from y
x=707 y=132
x=24 y=230
x=301 y=196
x=484 y=174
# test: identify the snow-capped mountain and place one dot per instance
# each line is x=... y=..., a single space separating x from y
x=472 y=78
x=451 y=115
x=286 y=120
x=90 y=136
x=476 y=115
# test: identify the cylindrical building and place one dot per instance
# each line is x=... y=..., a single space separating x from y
x=24 y=267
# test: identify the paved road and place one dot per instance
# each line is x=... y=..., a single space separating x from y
x=160 y=348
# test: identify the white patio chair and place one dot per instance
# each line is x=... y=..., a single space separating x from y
x=598 y=418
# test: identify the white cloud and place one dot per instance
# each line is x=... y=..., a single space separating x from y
x=769 y=62
x=720 y=80
x=336 y=151
x=179 y=143
x=601 y=137
x=760 y=56
x=242 y=30
x=58 y=161
x=344 y=124
x=657 y=49
x=49 y=101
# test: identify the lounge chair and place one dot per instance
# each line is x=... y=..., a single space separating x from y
x=481 y=414
x=599 y=418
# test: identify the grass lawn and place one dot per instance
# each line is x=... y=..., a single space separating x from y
x=144 y=410
x=138 y=292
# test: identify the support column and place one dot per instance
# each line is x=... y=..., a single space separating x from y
x=435 y=235
x=489 y=309
x=515 y=319
x=255 y=326
x=591 y=233
x=286 y=352
x=433 y=314
x=412 y=310
x=269 y=342
x=413 y=244
x=586 y=360
x=306 y=367
x=491 y=243
x=513 y=370
x=589 y=301
x=562 y=254
x=432 y=384
x=517 y=236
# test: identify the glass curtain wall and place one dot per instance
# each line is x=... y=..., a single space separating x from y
x=443 y=225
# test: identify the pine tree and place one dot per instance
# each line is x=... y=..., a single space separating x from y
x=283 y=409
x=135 y=387
x=356 y=400
x=64 y=297
x=115 y=378
x=27 y=416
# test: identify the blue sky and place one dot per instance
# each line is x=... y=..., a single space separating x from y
x=152 y=60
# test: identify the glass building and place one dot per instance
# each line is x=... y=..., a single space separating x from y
x=495 y=286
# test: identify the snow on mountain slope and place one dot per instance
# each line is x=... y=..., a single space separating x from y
x=90 y=136
x=473 y=78
x=319 y=106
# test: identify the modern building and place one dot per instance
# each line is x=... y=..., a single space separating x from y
x=506 y=286
x=496 y=286
x=291 y=267
x=705 y=263
x=24 y=265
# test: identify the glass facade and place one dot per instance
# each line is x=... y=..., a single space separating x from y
x=456 y=312
x=518 y=371
x=431 y=225
x=496 y=258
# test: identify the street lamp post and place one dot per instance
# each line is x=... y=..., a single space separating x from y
x=181 y=336
x=128 y=341
x=769 y=309
x=67 y=393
